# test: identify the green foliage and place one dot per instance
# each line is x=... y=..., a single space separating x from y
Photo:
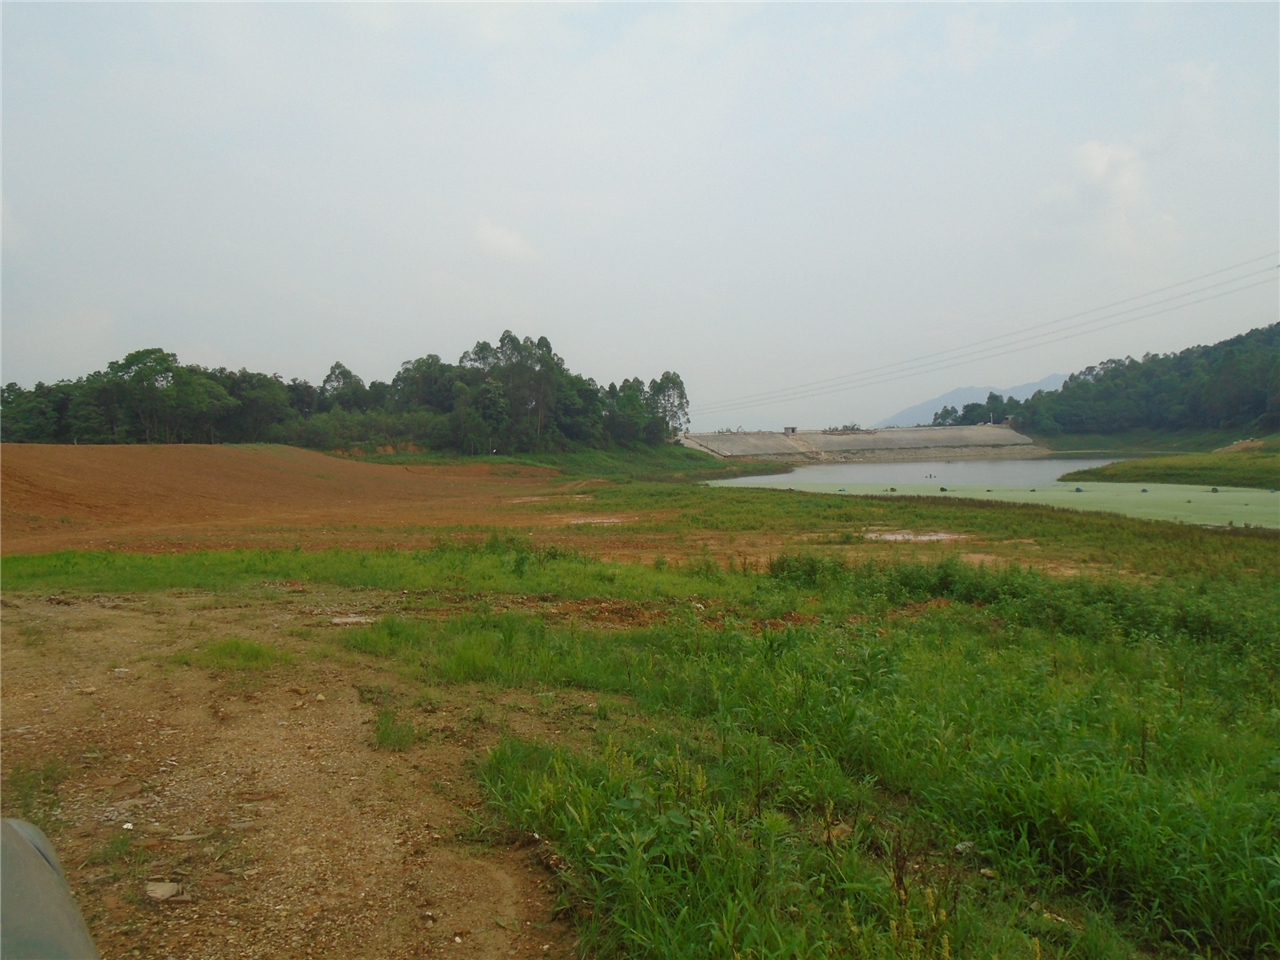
x=1142 y=441
x=1112 y=739
x=235 y=654
x=1246 y=468
x=31 y=793
x=515 y=397
x=391 y=733
x=812 y=741
x=665 y=463
x=1115 y=543
x=1234 y=383
x=119 y=851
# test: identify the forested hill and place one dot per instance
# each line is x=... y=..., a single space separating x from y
x=1235 y=383
x=517 y=396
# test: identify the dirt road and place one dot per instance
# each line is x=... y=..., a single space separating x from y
x=260 y=793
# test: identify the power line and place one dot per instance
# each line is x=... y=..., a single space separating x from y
x=972 y=344
x=938 y=365
x=981 y=349
x=976 y=351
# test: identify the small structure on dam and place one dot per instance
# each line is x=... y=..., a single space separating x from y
x=981 y=442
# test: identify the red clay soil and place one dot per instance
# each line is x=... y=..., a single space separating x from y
x=174 y=496
x=166 y=498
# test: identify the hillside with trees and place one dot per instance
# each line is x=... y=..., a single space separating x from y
x=513 y=397
x=1232 y=384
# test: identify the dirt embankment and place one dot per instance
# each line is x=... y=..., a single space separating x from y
x=59 y=497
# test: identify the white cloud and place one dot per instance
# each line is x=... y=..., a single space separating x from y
x=970 y=43
x=1050 y=38
x=1115 y=170
x=504 y=241
x=1107 y=201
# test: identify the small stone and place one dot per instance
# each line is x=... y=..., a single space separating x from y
x=297 y=706
x=300 y=691
x=840 y=831
x=546 y=948
x=988 y=873
x=88 y=690
x=320 y=698
x=163 y=891
x=965 y=846
x=128 y=826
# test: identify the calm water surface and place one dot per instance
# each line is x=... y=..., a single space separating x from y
x=985 y=473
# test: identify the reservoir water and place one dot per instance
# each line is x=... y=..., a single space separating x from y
x=1031 y=481
x=984 y=473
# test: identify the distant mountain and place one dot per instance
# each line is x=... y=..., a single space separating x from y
x=923 y=412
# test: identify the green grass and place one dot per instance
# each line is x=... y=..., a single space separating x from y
x=1109 y=745
x=1141 y=546
x=1245 y=468
x=391 y=733
x=31 y=793
x=667 y=463
x=1143 y=441
x=234 y=654
x=789 y=757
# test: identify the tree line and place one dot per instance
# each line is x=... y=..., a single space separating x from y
x=516 y=396
x=1234 y=383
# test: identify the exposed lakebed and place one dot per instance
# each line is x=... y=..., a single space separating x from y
x=1032 y=481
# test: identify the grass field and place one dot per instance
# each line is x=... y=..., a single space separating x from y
x=808 y=756
x=1138 y=442
x=669 y=463
x=1245 y=468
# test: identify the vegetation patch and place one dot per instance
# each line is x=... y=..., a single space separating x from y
x=234 y=654
x=1246 y=468
x=820 y=757
x=31 y=793
x=392 y=733
x=1228 y=384
x=839 y=787
x=667 y=463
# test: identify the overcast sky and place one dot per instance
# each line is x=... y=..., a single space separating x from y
x=758 y=197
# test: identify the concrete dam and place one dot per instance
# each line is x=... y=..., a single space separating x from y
x=981 y=442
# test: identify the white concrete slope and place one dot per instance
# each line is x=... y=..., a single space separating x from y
x=908 y=443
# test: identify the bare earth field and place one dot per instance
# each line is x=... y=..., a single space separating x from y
x=207 y=497
x=259 y=792
x=168 y=498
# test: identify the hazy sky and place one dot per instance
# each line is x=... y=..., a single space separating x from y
x=759 y=197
